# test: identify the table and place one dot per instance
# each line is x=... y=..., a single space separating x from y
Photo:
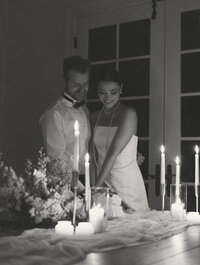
x=183 y=249
x=153 y=238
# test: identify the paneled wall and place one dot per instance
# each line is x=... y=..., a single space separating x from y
x=32 y=33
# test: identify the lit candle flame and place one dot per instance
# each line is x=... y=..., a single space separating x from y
x=177 y=161
x=87 y=158
x=162 y=149
x=196 y=149
x=76 y=126
x=97 y=205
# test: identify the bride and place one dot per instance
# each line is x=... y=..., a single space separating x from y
x=115 y=144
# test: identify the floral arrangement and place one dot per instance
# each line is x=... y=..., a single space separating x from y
x=12 y=187
x=44 y=190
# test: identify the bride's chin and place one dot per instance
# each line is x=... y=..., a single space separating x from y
x=110 y=106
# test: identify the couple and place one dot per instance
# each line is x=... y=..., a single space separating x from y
x=114 y=128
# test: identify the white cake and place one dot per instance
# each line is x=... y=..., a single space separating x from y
x=114 y=207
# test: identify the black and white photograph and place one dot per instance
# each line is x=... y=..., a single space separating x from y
x=99 y=132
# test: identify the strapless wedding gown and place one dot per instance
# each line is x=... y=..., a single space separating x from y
x=125 y=177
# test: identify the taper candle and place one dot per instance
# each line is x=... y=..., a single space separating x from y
x=76 y=146
x=162 y=177
x=87 y=181
x=177 y=175
x=196 y=165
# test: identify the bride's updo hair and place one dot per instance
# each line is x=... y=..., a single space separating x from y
x=110 y=75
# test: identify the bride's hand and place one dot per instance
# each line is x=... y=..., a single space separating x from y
x=140 y=159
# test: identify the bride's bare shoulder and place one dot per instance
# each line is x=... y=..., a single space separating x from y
x=127 y=111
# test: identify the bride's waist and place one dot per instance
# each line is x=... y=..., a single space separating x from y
x=121 y=159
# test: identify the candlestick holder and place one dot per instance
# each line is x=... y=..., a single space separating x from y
x=162 y=193
x=74 y=209
x=87 y=204
x=197 y=188
x=178 y=201
x=75 y=176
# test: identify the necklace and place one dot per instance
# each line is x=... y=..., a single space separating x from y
x=108 y=131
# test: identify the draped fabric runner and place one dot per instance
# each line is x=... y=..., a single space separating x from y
x=43 y=246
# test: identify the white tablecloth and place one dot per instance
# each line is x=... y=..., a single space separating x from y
x=43 y=246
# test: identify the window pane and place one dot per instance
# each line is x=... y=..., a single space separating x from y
x=102 y=43
x=190 y=28
x=136 y=77
x=94 y=77
x=134 y=38
x=188 y=160
x=190 y=72
x=190 y=116
x=191 y=199
x=142 y=108
x=143 y=148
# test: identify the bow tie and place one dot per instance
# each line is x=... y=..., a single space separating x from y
x=75 y=104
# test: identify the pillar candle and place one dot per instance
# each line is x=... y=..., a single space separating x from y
x=87 y=182
x=196 y=165
x=178 y=211
x=64 y=228
x=96 y=218
x=76 y=146
x=193 y=218
x=84 y=228
x=162 y=177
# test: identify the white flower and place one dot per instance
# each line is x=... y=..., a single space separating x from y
x=79 y=203
x=38 y=219
x=21 y=180
x=68 y=207
x=67 y=194
x=32 y=212
x=55 y=209
x=13 y=174
x=44 y=213
x=38 y=176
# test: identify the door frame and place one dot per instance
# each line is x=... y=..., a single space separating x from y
x=156 y=97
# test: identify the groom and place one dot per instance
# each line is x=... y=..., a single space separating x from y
x=57 y=123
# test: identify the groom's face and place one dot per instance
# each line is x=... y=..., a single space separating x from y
x=77 y=85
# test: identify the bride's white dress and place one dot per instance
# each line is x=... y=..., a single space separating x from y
x=125 y=177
